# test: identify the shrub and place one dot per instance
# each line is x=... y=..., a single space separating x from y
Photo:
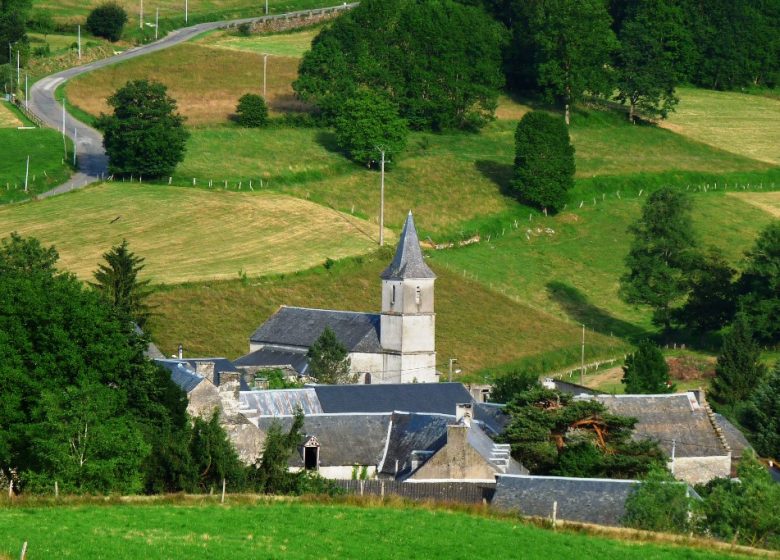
x=252 y=112
x=544 y=161
x=107 y=20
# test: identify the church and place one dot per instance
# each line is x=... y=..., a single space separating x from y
x=394 y=346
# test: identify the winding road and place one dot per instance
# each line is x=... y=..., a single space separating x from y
x=91 y=157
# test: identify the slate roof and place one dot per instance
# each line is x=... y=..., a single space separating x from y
x=413 y=432
x=736 y=439
x=345 y=439
x=588 y=500
x=440 y=398
x=221 y=365
x=408 y=261
x=181 y=374
x=572 y=388
x=675 y=417
x=269 y=356
x=301 y=327
x=280 y=402
x=487 y=448
x=492 y=416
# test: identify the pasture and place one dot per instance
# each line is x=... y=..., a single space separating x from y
x=188 y=235
x=744 y=124
x=292 y=530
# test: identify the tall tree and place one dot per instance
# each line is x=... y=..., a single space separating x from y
x=544 y=161
x=13 y=32
x=511 y=383
x=739 y=369
x=646 y=371
x=273 y=473
x=329 y=359
x=759 y=285
x=574 y=43
x=145 y=135
x=711 y=303
x=213 y=456
x=660 y=255
x=761 y=415
x=655 y=49
x=117 y=279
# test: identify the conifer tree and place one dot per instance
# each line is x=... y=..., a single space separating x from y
x=117 y=279
x=762 y=418
x=738 y=370
x=329 y=359
x=646 y=371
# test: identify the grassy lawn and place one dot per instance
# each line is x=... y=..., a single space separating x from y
x=570 y=265
x=292 y=530
x=45 y=148
x=482 y=328
x=288 y=44
x=744 y=124
x=769 y=202
x=188 y=234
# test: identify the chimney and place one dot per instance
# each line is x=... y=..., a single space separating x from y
x=206 y=369
x=181 y=351
x=464 y=413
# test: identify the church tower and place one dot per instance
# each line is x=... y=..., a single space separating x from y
x=408 y=322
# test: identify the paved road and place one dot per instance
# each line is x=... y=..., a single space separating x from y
x=92 y=159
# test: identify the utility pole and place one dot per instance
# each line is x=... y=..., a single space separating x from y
x=63 y=117
x=156 y=23
x=674 y=449
x=26 y=93
x=27 y=174
x=382 y=213
x=186 y=11
x=452 y=361
x=79 y=43
x=265 y=70
x=18 y=80
x=582 y=358
x=75 y=144
x=141 y=16
x=266 y=7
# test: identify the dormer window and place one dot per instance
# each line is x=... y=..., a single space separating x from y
x=418 y=296
x=392 y=299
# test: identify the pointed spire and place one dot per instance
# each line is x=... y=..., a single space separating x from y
x=408 y=261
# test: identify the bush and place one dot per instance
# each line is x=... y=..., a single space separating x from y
x=544 y=161
x=646 y=371
x=252 y=112
x=107 y=20
x=367 y=123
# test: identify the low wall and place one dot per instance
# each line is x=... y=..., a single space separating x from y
x=462 y=492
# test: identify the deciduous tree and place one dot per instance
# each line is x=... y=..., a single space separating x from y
x=252 y=112
x=107 y=20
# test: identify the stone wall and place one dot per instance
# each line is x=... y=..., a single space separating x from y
x=457 y=460
x=699 y=470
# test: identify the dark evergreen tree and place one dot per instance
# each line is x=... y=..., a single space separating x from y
x=544 y=161
x=13 y=32
x=759 y=286
x=711 y=302
x=661 y=255
x=573 y=44
x=117 y=280
x=739 y=369
x=272 y=472
x=367 y=123
x=329 y=360
x=213 y=456
x=509 y=384
x=145 y=136
x=107 y=21
x=438 y=61
x=252 y=112
x=655 y=50
x=646 y=371
x=761 y=415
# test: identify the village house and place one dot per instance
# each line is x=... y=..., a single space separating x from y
x=394 y=346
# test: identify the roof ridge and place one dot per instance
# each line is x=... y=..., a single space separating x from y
x=408 y=261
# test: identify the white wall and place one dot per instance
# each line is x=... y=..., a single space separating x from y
x=699 y=470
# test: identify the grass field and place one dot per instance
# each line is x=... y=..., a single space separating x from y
x=46 y=151
x=288 y=44
x=480 y=327
x=188 y=234
x=768 y=202
x=574 y=271
x=745 y=124
x=293 y=530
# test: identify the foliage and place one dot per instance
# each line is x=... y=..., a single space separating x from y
x=660 y=503
x=660 y=255
x=759 y=285
x=80 y=401
x=739 y=368
x=544 y=161
x=13 y=33
x=277 y=379
x=655 y=48
x=145 y=136
x=572 y=44
x=368 y=123
x=743 y=510
x=551 y=433
x=213 y=456
x=117 y=280
x=438 y=61
x=711 y=301
x=107 y=20
x=761 y=415
x=646 y=371
x=252 y=111
x=510 y=383
x=329 y=359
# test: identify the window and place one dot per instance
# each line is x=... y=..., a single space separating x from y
x=392 y=299
x=311 y=458
x=418 y=296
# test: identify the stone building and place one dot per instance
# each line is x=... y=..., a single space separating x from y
x=394 y=346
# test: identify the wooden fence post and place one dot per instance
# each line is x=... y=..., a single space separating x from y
x=223 y=491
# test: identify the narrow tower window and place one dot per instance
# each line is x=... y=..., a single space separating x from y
x=418 y=296
x=392 y=299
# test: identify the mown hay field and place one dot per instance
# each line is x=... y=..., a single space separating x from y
x=290 y=530
x=769 y=202
x=744 y=124
x=189 y=234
